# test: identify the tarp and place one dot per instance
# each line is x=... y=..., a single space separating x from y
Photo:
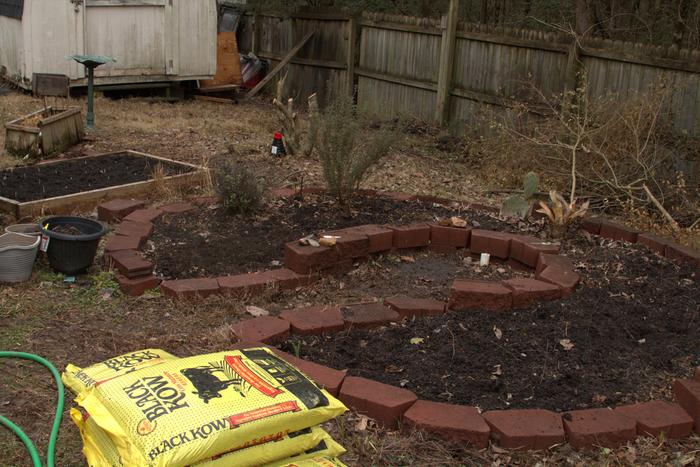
x=11 y=8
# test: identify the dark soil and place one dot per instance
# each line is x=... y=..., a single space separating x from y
x=633 y=323
x=210 y=242
x=68 y=177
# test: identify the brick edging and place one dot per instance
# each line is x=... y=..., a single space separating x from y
x=391 y=406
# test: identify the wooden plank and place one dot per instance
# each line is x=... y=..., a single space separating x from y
x=305 y=61
x=657 y=62
x=220 y=100
x=90 y=3
x=447 y=61
x=351 y=59
x=281 y=64
x=426 y=85
x=513 y=41
x=401 y=27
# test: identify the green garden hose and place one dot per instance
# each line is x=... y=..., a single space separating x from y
x=51 y=451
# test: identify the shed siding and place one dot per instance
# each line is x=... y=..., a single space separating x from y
x=11 y=44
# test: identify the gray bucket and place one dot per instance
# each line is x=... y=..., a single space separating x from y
x=26 y=229
x=17 y=255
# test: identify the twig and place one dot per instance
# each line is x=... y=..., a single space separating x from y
x=695 y=224
x=671 y=220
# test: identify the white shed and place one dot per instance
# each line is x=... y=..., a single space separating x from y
x=151 y=40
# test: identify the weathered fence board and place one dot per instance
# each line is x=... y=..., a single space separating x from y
x=397 y=66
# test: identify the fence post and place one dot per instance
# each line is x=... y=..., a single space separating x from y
x=447 y=62
x=352 y=35
x=256 y=34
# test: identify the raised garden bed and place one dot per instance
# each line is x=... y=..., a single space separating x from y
x=530 y=339
x=62 y=186
x=44 y=132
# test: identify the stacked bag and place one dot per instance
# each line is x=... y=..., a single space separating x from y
x=239 y=408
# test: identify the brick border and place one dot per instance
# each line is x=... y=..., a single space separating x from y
x=393 y=407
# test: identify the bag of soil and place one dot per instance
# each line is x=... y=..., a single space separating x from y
x=325 y=450
x=314 y=462
x=79 y=379
x=187 y=410
x=99 y=450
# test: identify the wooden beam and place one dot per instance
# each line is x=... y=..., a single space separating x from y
x=413 y=83
x=305 y=61
x=281 y=64
x=447 y=62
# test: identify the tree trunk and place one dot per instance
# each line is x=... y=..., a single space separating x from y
x=585 y=18
x=682 y=11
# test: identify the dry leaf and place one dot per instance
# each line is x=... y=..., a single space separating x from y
x=256 y=311
x=361 y=424
x=417 y=340
x=497 y=370
x=407 y=259
x=567 y=344
x=497 y=332
x=458 y=222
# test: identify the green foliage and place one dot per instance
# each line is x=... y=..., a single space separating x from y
x=520 y=205
x=345 y=150
x=240 y=190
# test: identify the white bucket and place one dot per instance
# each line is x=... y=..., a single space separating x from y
x=17 y=255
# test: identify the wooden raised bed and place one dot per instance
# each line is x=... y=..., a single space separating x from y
x=88 y=200
x=44 y=132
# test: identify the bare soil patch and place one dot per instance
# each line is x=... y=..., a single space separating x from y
x=633 y=325
x=209 y=242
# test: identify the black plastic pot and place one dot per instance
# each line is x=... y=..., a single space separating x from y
x=72 y=254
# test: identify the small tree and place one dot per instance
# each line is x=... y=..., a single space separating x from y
x=240 y=190
x=345 y=150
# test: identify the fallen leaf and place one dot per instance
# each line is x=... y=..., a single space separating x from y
x=599 y=398
x=458 y=222
x=497 y=332
x=363 y=343
x=417 y=340
x=566 y=344
x=497 y=370
x=256 y=311
x=407 y=259
x=361 y=424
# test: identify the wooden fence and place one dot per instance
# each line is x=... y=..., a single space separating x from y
x=435 y=70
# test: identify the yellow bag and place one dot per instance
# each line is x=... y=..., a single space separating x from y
x=188 y=410
x=100 y=451
x=314 y=462
x=79 y=379
x=326 y=449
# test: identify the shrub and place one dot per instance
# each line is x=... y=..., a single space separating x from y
x=346 y=151
x=240 y=190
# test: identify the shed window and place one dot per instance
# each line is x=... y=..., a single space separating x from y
x=11 y=8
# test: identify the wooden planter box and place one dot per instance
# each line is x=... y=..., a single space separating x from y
x=88 y=200
x=44 y=132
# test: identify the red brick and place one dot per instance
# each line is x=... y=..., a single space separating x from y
x=144 y=215
x=398 y=196
x=283 y=192
x=407 y=307
x=369 y=315
x=137 y=287
x=591 y=225
x=189 y=288
x=117 y=209
x=130 y=263
x=657 y=417
x=307 y=259
x=615 y=231
x=326 y=378
x=599 y=428
x=257 y=282
x=527 y=250
x=314 y=320
x=143 y=230
x=654 y=243
x=380 y=238
x=352 y=244
x=411 y=236
x=527 y=291
x=526 y=428
x=469 y=294
x=558 y=261
x=687 y=394
x=683 y=254
x=386 y=404
x=497 y=244
x=120 y=242
x=267 y=329
x=566 y=279
x=453 y=422
x=177 y=208
x=449 y=236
